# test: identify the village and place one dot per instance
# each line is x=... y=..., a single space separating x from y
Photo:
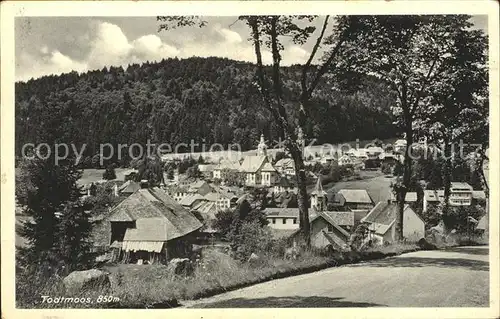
x=252 y=161
x=154 y=224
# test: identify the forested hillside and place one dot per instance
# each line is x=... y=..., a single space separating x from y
x=208 y=100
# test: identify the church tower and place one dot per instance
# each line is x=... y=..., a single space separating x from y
x=262 y=147
x=318 y=197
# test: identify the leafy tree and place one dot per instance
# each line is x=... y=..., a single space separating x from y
x=245 y=229
x=223 y=221
x=412 y=55
x=279 y=155
x=459 y=97
x=386 y=168
x=232 y=177
x=193 y=172
x=48 y=191
x=150 y=169
x=74 y=231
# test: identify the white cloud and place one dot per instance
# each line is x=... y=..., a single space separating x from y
x=294 y=55
x=109 y=46
x=53 y=63
x=151 y=48
x=228 y=35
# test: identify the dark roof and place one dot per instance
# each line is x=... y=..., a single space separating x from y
x=282 y=212
x=251 y=164
x=384 y=213
x=341 y=218
x=191 y=199
x=169 y=219
x=331 y=221
x=355 y=196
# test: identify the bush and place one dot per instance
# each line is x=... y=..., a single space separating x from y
x=109 y=173
x=386 y=168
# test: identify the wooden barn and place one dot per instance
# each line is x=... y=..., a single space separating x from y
x=150 y=226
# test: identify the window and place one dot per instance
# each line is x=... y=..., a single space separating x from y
x=284 y=220
x=330 y=228
x=295 y=220
x=274 y=220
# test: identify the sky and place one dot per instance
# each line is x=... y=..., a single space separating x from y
x=55 y=45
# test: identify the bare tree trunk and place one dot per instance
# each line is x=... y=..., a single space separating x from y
x=302 y=198
x=446 y=178
x=403 y=189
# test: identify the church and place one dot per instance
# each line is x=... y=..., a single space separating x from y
x=258 y=169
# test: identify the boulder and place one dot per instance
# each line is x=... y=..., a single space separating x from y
x=79 y=281
x=180 y=266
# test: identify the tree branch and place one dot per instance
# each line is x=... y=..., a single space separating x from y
x=283 y=125
x=307 y=94
x=305 y=70
x=419 y=93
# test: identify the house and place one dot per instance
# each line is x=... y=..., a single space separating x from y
x=225 y=165
x=222 y=199
x=318 y=196
x=129 y=187
x=345 y=160
x=285 y=166
x=411 y=197
x=360 y=154
x=325 y=232
x=381 y=222
x=461 y=194
x=282 y=218
x=177 y=193
x=388 y=158
x=150 y=226
x=374 y=152
x=400 y=146
x=288 y=218
x=284 y=185
x=269 y=174
x=353 y=199
x=200 y=187
x=206 y=213
x=328 y=160
x=251 y=167
x=206 y=170
x=327 y=228
x=191 y=200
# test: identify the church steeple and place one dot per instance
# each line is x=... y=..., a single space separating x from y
x=262 y=147
x=318 y=196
